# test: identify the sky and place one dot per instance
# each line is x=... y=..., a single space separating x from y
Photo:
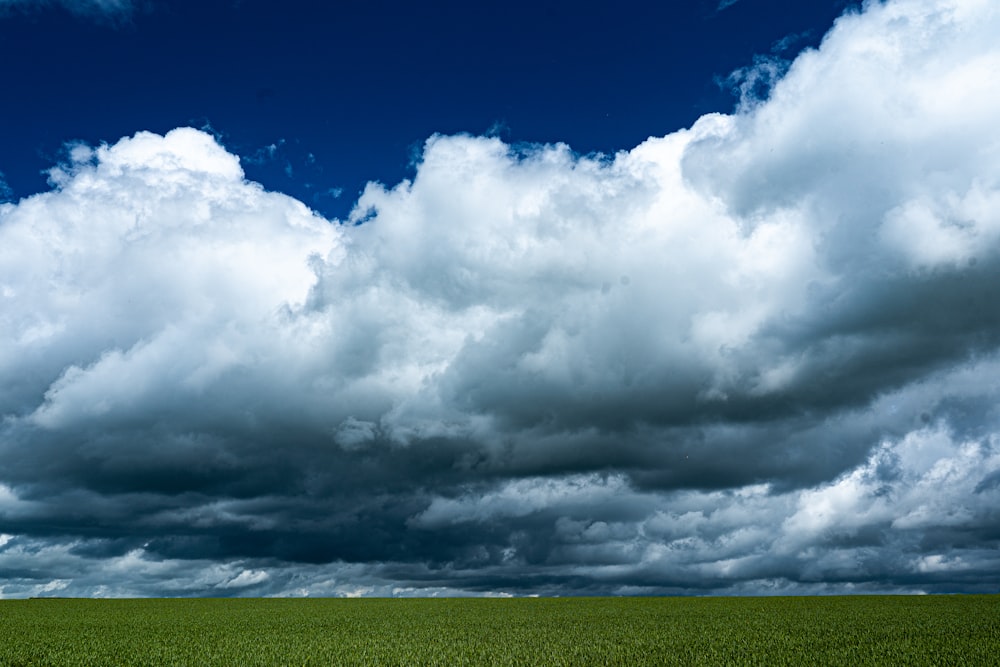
x=526 y=298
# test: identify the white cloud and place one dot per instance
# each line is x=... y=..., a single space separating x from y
x=148 y=275
x=522 y=498
x=246 y=578
x=154 y=262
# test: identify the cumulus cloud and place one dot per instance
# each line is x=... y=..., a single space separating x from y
x=753 y=355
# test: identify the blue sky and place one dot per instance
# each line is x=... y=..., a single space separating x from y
x=348 y=92
x=640 y=299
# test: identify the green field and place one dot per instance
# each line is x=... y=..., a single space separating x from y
x=855 y=630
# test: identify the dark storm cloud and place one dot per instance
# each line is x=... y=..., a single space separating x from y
x=758 y=355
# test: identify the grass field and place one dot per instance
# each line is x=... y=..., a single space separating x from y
x=857 y=630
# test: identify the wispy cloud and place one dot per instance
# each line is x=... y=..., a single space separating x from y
x=6 y=194
x=105 y=10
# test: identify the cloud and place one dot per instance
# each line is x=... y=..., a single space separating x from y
x=6 y=194
x=108 y=10
x=754 y=355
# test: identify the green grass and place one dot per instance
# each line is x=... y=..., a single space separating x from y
x=856 y=630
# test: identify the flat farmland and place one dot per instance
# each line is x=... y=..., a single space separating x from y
x=849 y=630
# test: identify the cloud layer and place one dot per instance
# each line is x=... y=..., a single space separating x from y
x=756 y=355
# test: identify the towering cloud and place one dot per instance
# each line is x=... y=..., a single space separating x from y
x=758 y=354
